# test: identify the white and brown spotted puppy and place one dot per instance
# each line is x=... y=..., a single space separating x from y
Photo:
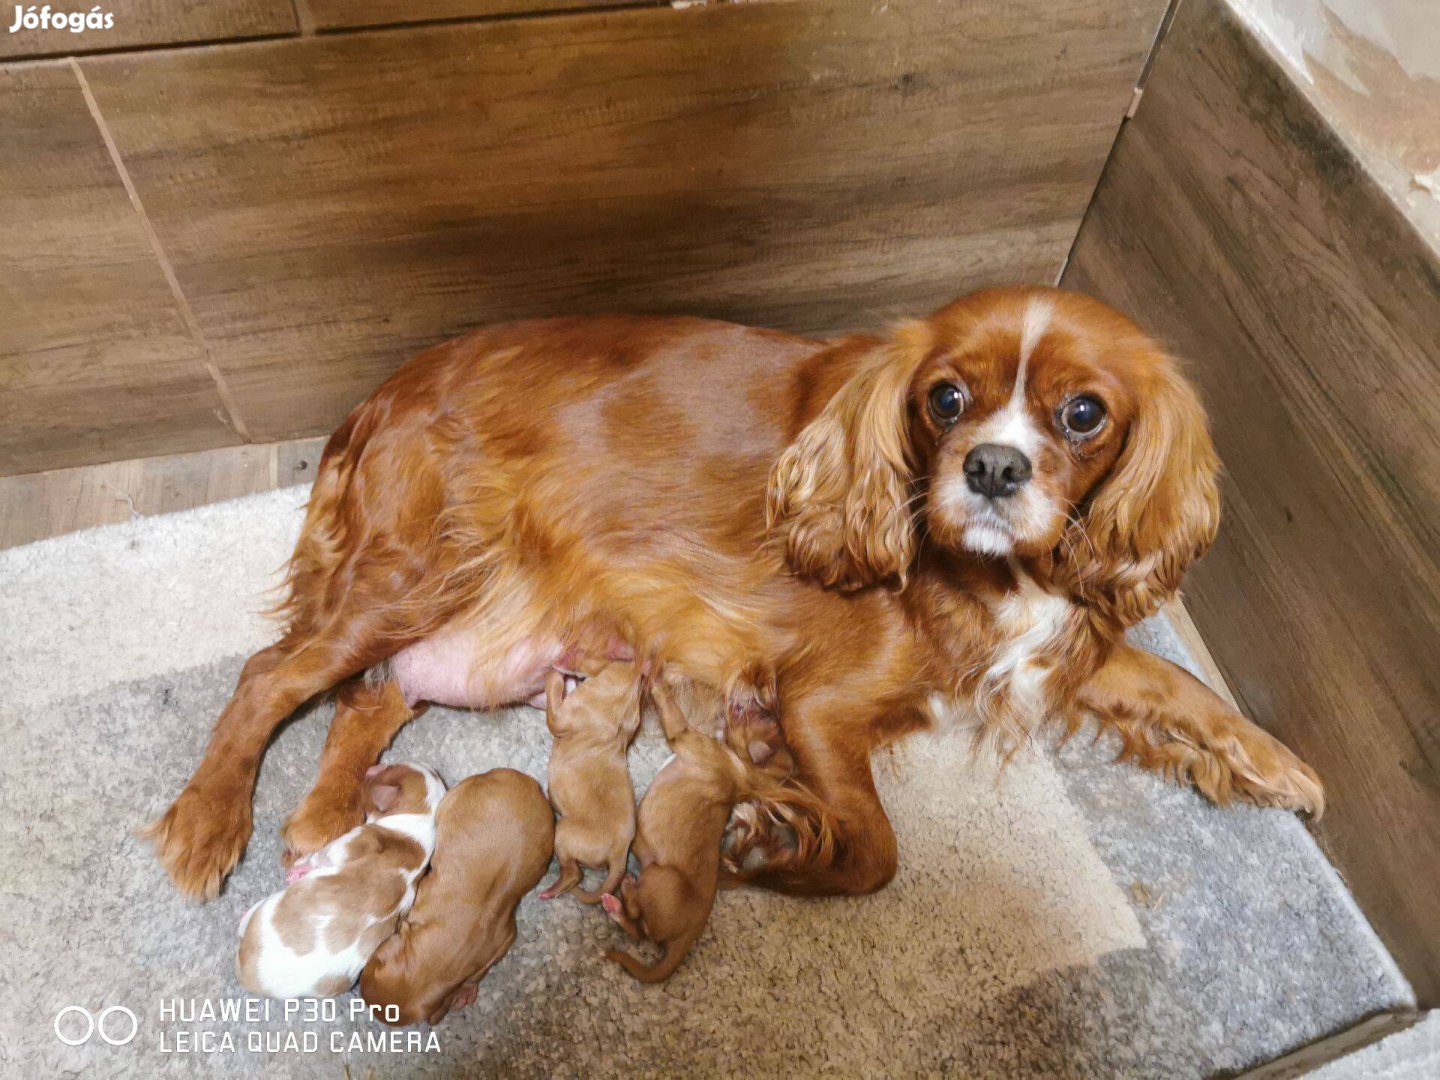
x=312 y=938
x=494 y=837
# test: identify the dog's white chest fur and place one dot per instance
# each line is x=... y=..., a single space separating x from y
x=1012 y=690
x=1029 y=619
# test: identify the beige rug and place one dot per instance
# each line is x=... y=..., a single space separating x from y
x=1069 y=918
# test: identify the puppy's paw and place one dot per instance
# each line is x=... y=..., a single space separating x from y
x=611 y=903
x=466 y=995
x=753 y=728
x=321 y=818
x=753 y=698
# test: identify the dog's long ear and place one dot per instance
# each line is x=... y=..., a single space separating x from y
x=383 y=797
x=1154 y=514
x=839 y=494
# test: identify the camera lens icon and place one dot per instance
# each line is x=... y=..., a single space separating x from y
x=97 y=1023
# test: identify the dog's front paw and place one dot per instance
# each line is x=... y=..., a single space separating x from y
x=1266 y=772
x=756 y=840
x=201 y=837
x=321 y=818
x=1228 y=758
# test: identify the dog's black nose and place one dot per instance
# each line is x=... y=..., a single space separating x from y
x=996 y=471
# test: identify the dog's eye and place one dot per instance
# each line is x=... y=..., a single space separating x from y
x=1082 y=416
x=947 y=402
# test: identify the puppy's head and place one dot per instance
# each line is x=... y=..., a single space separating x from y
x=396 y=986
x=1029 y=423
x=404 y=788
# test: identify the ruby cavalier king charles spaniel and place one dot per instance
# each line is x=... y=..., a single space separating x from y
x=963 y=514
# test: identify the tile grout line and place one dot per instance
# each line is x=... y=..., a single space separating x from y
x=192 y=324
x=1162 y=31
x=304 y=17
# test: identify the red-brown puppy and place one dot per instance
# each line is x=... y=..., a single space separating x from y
x=590 y=787
x=965 y=513
x=682 y=819
x=493 y=840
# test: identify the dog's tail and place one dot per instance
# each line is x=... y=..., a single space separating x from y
x=676 y=950
x=570 y=876
x=611 y=882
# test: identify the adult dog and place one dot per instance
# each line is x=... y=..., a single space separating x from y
x=970 y=509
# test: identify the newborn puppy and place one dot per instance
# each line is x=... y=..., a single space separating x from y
x=311 y=938
x=682 y=819
x=494 y=837
x=589 y=782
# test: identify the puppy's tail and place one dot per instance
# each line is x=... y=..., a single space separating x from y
x=612 y=880
x=570 y=876
x=675 y=952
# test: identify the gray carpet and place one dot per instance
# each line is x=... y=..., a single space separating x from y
x=1068 y=917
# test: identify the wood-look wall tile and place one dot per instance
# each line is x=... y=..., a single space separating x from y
x=96 y=362
x=333 y=204
x=140 y=23
x=336 y=14
x=1236 y=225
x=44 y=504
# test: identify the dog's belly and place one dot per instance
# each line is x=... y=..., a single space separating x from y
x=471 y=668
x=465 y=668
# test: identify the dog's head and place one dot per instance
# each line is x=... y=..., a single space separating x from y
x=1023 y=423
